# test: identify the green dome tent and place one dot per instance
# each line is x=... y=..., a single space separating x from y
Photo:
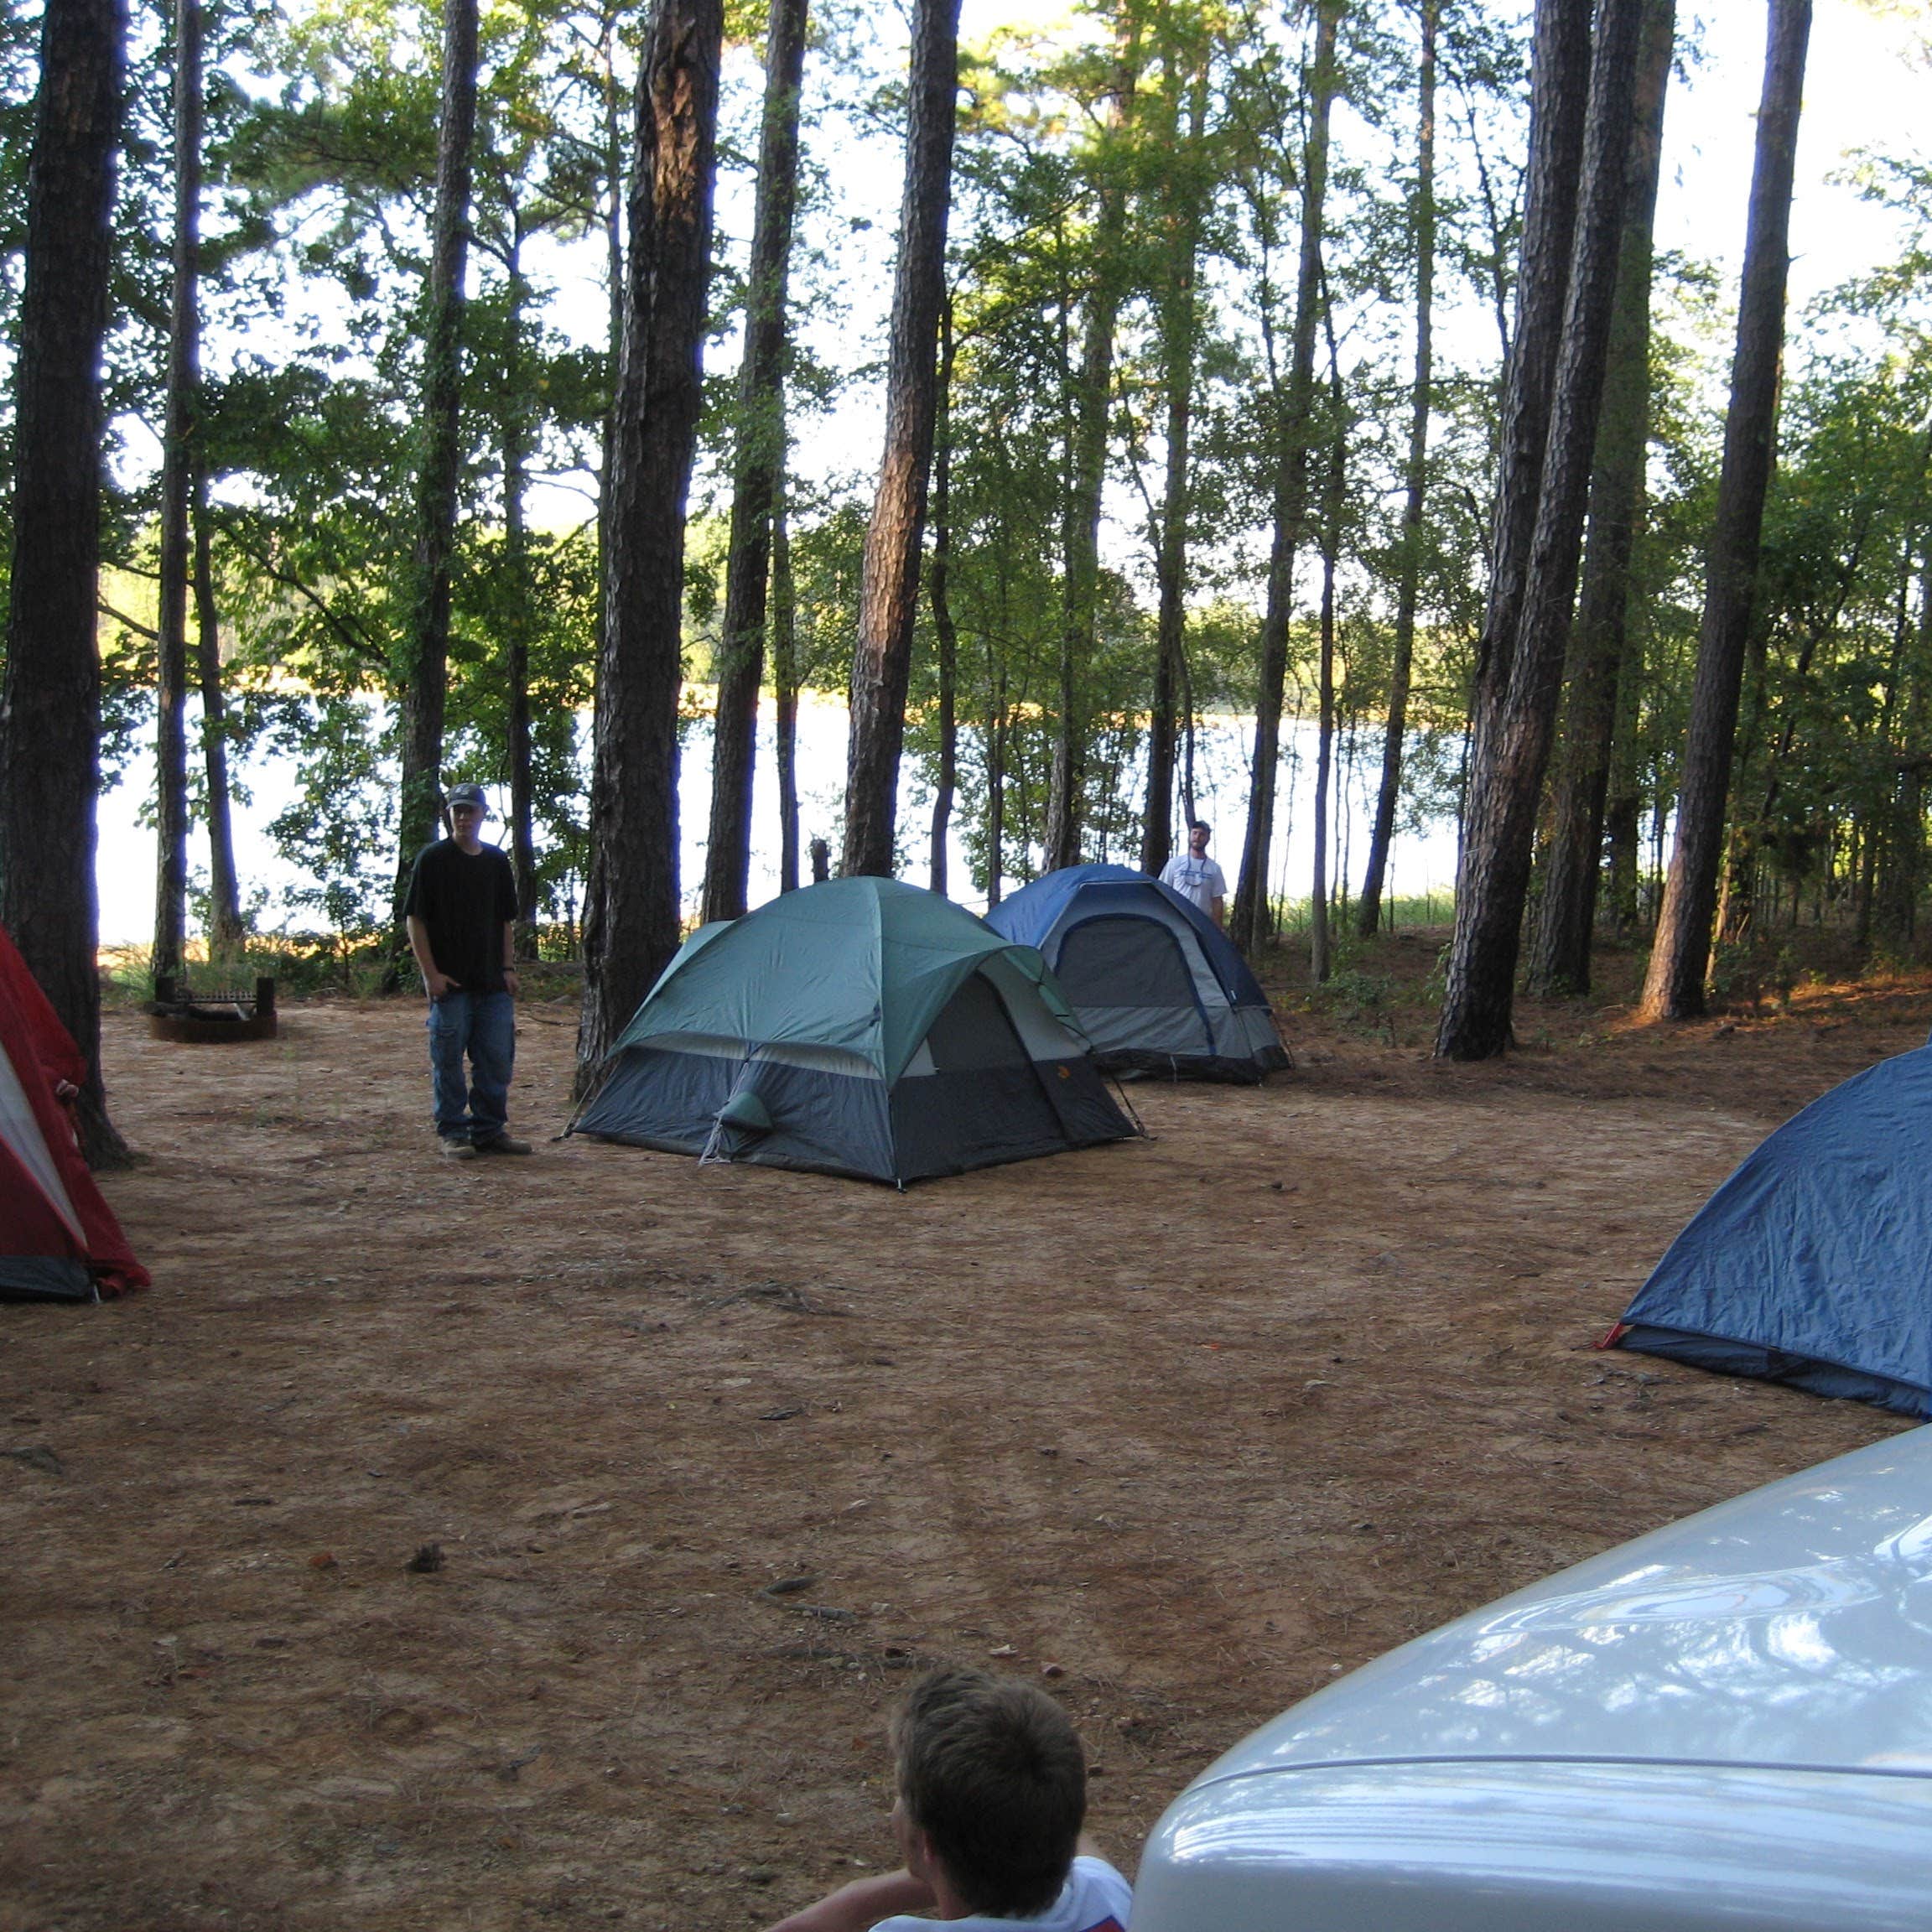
x=861 y=1027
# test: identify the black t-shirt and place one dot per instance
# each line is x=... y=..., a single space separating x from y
x=465 y=899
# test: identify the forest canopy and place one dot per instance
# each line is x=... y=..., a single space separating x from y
x=1218 y=416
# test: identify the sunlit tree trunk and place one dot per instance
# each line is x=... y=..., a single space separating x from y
x=785 y=690
x=756 y=462
x=994 y=742
x=1673 y=985
x=519 y=616
x=1093 y=404
x=1402 y=648
x=1180 y=327
x=1320 y=965
x=631 y=903
x=1520 y=663
x=945 y=633
x=426 y=645
x=224 y=926
x=50 y=700
x=178 y=460
x=889 y=576
x=1292 y=433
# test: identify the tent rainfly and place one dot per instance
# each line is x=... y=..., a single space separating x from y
x=863 y=1027
x=1155 y=985
x=1811 y=1263
x=59 y=1238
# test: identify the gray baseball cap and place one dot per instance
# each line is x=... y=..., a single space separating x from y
x=467 y=795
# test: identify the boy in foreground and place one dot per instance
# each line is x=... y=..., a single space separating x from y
x=992 y=1795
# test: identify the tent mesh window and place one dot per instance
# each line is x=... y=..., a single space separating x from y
x=1122 y=962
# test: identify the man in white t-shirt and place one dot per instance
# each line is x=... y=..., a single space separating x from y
x=1195 y=876
x=992 y=1795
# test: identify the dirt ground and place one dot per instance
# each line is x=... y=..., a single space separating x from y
x=1183 y=1426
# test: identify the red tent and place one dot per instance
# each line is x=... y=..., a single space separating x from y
x=59 y=1240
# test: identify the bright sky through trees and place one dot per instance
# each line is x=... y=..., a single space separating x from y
x=1869 y=77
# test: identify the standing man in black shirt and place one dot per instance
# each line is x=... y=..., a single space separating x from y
x=461 y=913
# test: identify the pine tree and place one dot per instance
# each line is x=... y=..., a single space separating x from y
x=882 y=662
x=1673 y=985
x=631 y=899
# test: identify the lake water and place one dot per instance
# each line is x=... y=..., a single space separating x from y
x=1421 y=863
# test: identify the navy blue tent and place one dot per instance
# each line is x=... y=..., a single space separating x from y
x=1155 y=985
x=1812 y=1264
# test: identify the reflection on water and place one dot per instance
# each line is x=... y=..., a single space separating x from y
x=1421 y=862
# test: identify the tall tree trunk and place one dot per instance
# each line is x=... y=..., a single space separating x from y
x=1623 y=801
x=1179 y=343
x=1520 y=669
x=1559 y=950
x=613 y=213
x=946 y=635
x=426 y=645
x=996 y=744
x=1558 y=102
x=1320 y=965
x=785 y=690
x=889 y=576
x=178 y=439
x=630 y=914
x=224 y=926
x=1294 y=412
x=1080 y=526
x=1382 y=834
x=50 y=700
x=516 y=565
x=1673 y=985
x=755 y=464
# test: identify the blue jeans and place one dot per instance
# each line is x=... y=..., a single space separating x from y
x=482 y=1026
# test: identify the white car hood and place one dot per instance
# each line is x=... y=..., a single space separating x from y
x=1792 y=1627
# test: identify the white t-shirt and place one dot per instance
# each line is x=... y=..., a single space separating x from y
x=1095 y=1898
x=1200 y=879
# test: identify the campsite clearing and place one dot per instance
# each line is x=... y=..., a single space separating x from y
x=711 y=1458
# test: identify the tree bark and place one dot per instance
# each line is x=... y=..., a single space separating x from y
x=50 y=701
x=1180 y=342
x=785 y=692
x=1559 y=950
x=427 y=644
x=1382 y=834
x=630 y=898
x=1680 y=954
x=178 y=439
x=995 y=752
x=1250 y=922
x=517 y=568
x=1080 y=524
x=1559 y=92
x=226 y=931
x=889 y=576
x=1320 y=965
x=1520 y=667
x=945 y=633
x=756 y=461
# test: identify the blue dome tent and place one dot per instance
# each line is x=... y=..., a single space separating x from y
x=1155 y=985
x=1812 y=1264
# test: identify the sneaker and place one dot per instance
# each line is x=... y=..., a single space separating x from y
x=502 y=1144
x=459 y=1151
